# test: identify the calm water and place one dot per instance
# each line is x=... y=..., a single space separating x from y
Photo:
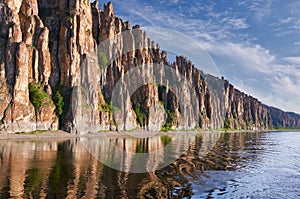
x=215 y=165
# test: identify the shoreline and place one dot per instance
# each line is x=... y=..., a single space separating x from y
x=47 y=135
x=62 y=135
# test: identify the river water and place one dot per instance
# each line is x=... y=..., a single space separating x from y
x=204 y=165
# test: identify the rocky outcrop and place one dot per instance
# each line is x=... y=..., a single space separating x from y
x=111 y=76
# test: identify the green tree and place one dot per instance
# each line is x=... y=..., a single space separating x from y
x=170 y=121
x=59 y=103
x=36 y=95
x=227 y=124
x=103 y=59
x=140 y=115
x=106 y=107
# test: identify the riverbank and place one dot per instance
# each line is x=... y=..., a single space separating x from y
x=41 y=135
x=37 y=135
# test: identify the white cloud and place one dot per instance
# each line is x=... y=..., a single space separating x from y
x=285 y=21
x=297 y=43
x=293 y=60
x=247 y=56
x=174 y=1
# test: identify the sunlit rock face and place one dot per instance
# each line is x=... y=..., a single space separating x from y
x=57 y=44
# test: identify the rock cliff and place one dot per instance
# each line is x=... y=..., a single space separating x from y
x=90 y=57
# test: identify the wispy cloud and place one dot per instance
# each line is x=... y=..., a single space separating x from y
x=259 y=8
x=218 y=24
x=293 y=60
x=294 y=7
x=286 y=26
x=236 y=23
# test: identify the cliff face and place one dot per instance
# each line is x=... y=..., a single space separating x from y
x=284 y=119
x=24 y=58
x=53 y=45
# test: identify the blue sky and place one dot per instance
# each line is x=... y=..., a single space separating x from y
x=255 y=43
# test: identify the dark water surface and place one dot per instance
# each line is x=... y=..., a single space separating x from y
x=208 y=165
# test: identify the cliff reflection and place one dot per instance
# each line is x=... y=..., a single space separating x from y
x=67 y=169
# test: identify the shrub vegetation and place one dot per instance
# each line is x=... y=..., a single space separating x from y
x=59 y=103
x=37 y=95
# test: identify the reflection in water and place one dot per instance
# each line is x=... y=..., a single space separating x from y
x=146 y=154
x=66 y=169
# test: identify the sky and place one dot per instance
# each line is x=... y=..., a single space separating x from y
x=255 y=44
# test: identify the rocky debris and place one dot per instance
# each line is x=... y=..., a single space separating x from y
x=73 y=47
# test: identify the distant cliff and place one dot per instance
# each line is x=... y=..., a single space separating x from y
x=44 y=46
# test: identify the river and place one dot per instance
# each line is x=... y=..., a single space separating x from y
x=203 y=165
